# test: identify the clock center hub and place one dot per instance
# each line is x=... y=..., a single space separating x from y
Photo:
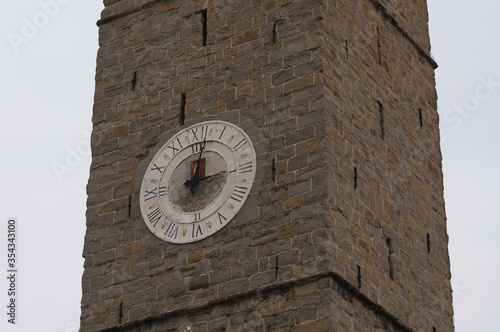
x=212 y=175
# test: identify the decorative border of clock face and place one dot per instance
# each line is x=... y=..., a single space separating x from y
x=198 y=181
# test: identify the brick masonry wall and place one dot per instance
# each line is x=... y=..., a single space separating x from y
x=412 y=16
x=283 y=71
x=314 y=304
x=399 y=194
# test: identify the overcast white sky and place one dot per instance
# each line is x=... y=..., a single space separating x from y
x=46 y=92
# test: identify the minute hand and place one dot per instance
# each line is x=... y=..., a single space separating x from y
x=211 y=176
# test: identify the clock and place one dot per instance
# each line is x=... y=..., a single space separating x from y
x=198 y=181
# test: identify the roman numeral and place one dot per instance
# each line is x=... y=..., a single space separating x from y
x=157 y=168
x=221 y=217
x=246 y=167
x=194 y=132
x=197 y=216
x=172 y=230
x=196 y=230
x=196 y=147
x=162 y=191
x=239 y=193
x=150 y=194
x=173 y=148
x=155 y=216
x=240 y=145
x=204 y=132
x=222 y=133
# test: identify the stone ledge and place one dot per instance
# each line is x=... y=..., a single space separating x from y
x=340 y=285
x=113 y=17
x=398 y=27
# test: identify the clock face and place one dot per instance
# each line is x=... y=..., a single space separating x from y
x=198 y=181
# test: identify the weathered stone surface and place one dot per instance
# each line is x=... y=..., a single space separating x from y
x=308 y=80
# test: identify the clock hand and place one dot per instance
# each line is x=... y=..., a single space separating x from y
x=196 y=178
x=189 y=182
x=211 y=176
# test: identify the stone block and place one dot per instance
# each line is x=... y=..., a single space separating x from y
x=195 y=256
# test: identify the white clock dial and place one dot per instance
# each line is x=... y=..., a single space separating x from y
x=198 y=181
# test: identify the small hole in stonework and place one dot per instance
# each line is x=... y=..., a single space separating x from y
x=378 y=47
x=381 y=113
x=391 y=252
x=134 y=81
x=204 y=20
x=182 y=115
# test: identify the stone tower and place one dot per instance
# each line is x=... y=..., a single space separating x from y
x=344 y=228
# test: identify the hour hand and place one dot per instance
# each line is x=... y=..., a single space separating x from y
x=193 y=182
